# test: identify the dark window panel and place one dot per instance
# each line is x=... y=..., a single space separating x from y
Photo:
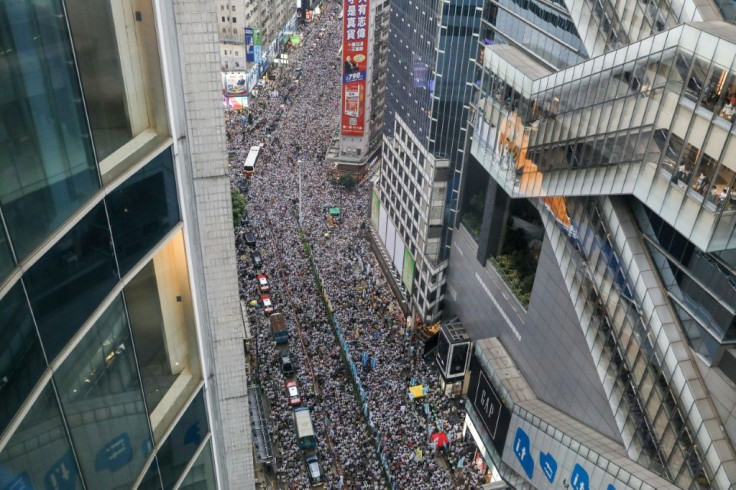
x=101 y=394
x=38 y=455
x=48 y=168
x=183 y=441
x=202 y=475
x=71 y=280
x=143 y=209
x=6 y=258
x=21 y=358
x=152 y=479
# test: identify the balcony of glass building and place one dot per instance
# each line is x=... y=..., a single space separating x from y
x=654 y=119
x=611 y=24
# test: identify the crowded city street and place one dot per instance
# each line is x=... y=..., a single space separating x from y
x=349 y=350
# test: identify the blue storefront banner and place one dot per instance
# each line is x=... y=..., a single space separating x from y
x=522 y=450
x=62 y=475
x=579 y=480
x=115 y=454
x=20 y=482
x=249 y=47
x=258 y=54
x=549 y=466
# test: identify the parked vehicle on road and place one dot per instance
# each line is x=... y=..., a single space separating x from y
x=292 y=391
x=266 y=304
x=279 y=330
x=263 y=285
x=304 y=428
x=313 y=470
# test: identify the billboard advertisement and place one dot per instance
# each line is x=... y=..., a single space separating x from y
x=235 y=84
x=249 y=51
x=257 y=45
x=488 y=406
x=375 y=208
x=407 y=276
x=354 y=62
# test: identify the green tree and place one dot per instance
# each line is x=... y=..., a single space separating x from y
x=238 y=206
x=347 y=181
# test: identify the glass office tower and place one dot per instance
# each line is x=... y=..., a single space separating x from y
x=598 y=227
x=105 y=329
x=431 y=49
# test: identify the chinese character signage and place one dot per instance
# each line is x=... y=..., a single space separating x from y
x=354 y=60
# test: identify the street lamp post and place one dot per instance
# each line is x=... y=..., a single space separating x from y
x=299 y=170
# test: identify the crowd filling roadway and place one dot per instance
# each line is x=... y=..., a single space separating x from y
x=294 y=117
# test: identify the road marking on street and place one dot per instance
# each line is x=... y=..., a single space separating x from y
x=498 y=307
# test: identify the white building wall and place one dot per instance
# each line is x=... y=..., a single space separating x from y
x=191 y=71
x=406 y=191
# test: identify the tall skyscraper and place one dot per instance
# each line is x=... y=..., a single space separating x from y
x=364 y=85
x=431 y=49
x=121 y=337
x=593 y=261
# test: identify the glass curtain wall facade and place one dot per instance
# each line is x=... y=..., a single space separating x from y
x=653 y=119
x=543 y=30
x=628 y=157
x=412 y=59
x=100 y=376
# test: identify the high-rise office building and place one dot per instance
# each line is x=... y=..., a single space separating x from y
x=431 y=49
x=593 y=261
x=121 y=336
x=354 y=145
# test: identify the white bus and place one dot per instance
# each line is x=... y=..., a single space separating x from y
x=304 y=428
x=250 y=161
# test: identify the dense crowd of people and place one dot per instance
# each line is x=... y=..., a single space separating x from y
x=294 y=117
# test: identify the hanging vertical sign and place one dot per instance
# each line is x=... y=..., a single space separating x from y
x=354 y=61
x=257 y=45
x=250 y=55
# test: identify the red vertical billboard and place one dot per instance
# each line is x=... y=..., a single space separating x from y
x=354 y=61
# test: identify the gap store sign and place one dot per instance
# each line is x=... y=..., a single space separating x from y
x=546 y=463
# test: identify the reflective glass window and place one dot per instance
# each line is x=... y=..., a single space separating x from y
x=101 y=394
x=71 y=280
x=162 y=322
x=118 y=63
x=48 y=168
x=152 y=479
x=6 y=258
x=38 y=454
x=183 y=441
x=21 y=359
x=143 y=209
x=474 y=198
x=202 y=475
